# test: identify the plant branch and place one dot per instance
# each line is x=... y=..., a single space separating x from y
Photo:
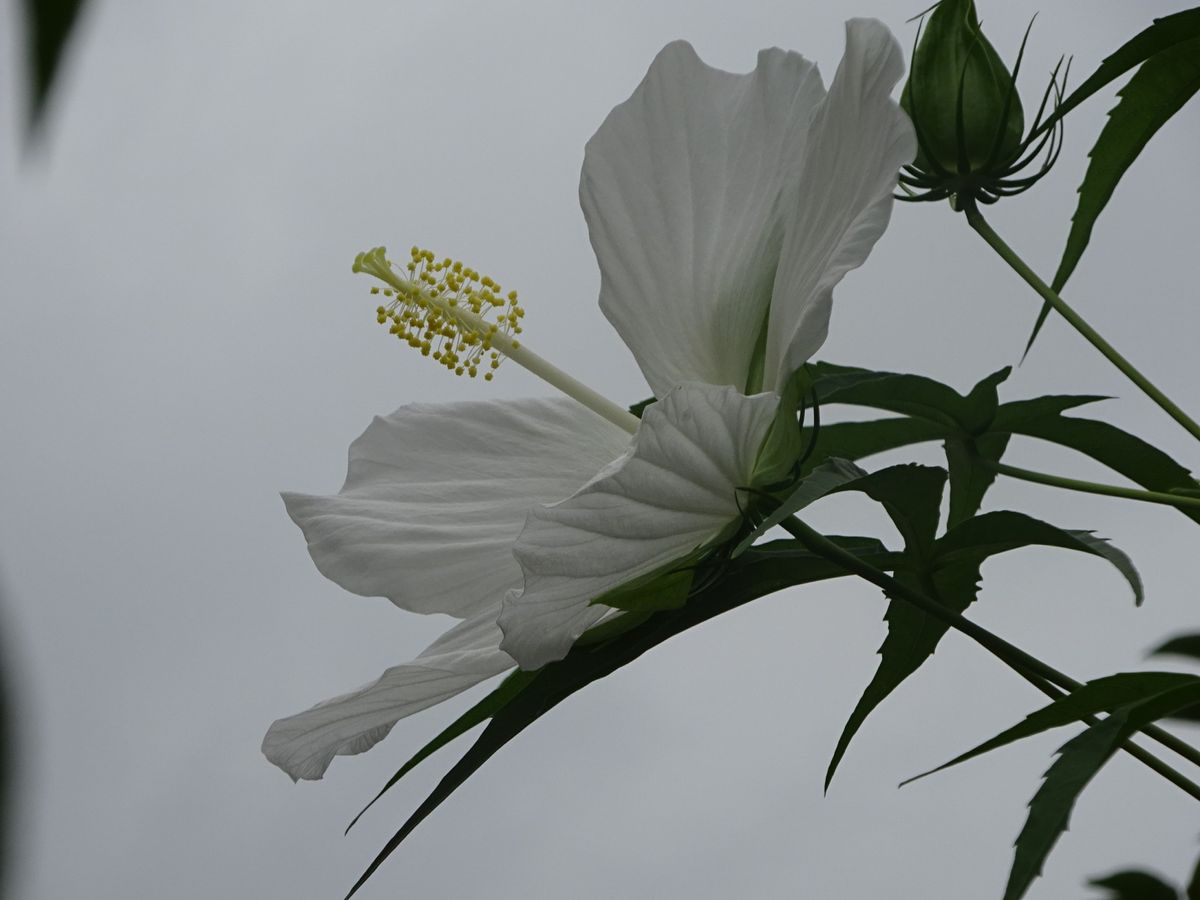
x=977 y=221
x=1046 y=678
x=1181 y=501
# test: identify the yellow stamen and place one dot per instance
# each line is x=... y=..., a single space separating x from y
x=441 y=307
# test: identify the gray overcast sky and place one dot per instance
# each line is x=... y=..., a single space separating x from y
x=182 y=339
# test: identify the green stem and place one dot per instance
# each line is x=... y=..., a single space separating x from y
x=1091 y=487
x=977 y=221
x=1043 y=676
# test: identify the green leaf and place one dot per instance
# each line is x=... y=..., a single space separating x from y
x=1140 y=462
x=1164 y=34
x=1180 y=645
x=1163 y=52
x=49 y=24
x=1193 y=888
x=909 y=395
x=1158 y=90
x=912 y=497
x=519 y=702
x=975 y=540
x=961 y=421
x=969 y=480
x=1135 y=885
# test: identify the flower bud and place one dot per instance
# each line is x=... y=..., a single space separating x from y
x=961 y=97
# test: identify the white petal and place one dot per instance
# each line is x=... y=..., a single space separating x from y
x=437 y=494
x=680 y=188
x=858 y=140
x=303 y=745
x=673 y=491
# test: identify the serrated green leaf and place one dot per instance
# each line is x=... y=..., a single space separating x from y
x=761 y=570
x=1180 y=645
x=1149 y=48
x=1040 y=407
x=1157 y=91
x=951 y=574
x=1050 y=809
x=1133 y=700
x=1078 y=762
x=1162 y=35
x=977 y=539
x=1134 y=884
x=911 y=639
x=909 y=395
x=1139 y=461
x=49 y=24
x=912 y=496
x=1125 y=689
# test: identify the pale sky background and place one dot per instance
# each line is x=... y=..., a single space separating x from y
x=182 y=339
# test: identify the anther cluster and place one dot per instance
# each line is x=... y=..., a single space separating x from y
x=443 y=308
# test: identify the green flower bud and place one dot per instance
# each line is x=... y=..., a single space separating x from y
x=961 y=97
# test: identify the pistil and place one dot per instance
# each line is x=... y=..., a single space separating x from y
x=441 y=308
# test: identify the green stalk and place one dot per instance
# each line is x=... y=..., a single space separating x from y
x=977 y=221
x=1180 y=501
x=1043 y=676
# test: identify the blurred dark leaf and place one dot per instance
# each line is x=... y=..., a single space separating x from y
x=1180 y=645
x=49 y=24
x=1135 y=885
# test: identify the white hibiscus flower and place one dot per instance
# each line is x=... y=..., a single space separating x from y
x=722 y=209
